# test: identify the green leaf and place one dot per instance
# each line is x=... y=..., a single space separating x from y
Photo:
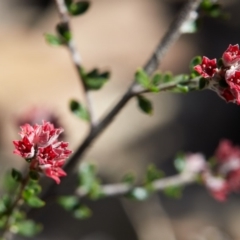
x=87 y=175
x=129 y=178
x=53 y=40
x=34 y=187
x=19 y=215
x=173 y=192
x=153 y=174
x=157 y=78
x=82 y=212
x=142 y=78
x=180 y=89
x=68 y=2
x=94 y=80
x=27 y=193
x=34 y=201
x=179 y=162
x=78 y=8
x=138 y=193
x=68 y=202
x=27 y=228
x=145 y=105
x=167 y=77
x=202 y=83
x=212 y=9
x=9 y=184
x=16 y=175
x=96 y=190
x=34 y=175
x=194 y=62
x=3 y=220
x=79 y=110
x=5 y=203
x=64 y=32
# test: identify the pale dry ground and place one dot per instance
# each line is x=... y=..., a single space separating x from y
x=114 y=35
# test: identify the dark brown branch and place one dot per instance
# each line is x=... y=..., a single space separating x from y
x=170 y=37
x=168 y=40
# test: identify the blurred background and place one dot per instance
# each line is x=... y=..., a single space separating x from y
x=38 y=81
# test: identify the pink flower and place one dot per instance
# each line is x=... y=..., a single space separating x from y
x=227 y=151
x=231 y=55
x=207 y=68
x=225 y=81
x=217 y=186
x=195 y=163
x=228 y=157
x=40 y=147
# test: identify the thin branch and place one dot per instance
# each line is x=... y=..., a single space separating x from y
x=120 y=189
x=76 y=58
x=168 y=40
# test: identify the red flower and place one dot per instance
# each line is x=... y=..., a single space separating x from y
x=228 y=157
x=226 y=150
x=207 y=68
x=39 y=145
x=217 y=186
x=231 y=55
x=227 y=95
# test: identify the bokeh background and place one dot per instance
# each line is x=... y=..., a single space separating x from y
x=38 y=81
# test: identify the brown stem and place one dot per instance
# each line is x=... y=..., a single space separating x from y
x=168 y=40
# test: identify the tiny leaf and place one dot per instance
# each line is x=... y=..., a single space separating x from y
x=78 y=8
x=179 y=162
x=153 y=174
x=145 y=105
x=95 y=80
x=79 y=110
x=138 y=193
x=173 y=192
x=68 y=202
x=87 y=176
x=142 y=78
x=64 y=32
x=26 y=228
x=82 y=212
x=156 y=80
x=180 y=89
x=129 y=178
x=53 y=40
x=35 y=202
x=194 y=62
x=34 y=175
x=202 y=83
x=167 y=77
x=16 y=175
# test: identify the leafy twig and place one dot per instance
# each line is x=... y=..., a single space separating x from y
x=16 y=203
x=76 y=58
x=119 y=189
x=168 y=40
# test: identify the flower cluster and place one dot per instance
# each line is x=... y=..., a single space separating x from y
x=222 y=176
x=41 y=148
x=224 y=77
